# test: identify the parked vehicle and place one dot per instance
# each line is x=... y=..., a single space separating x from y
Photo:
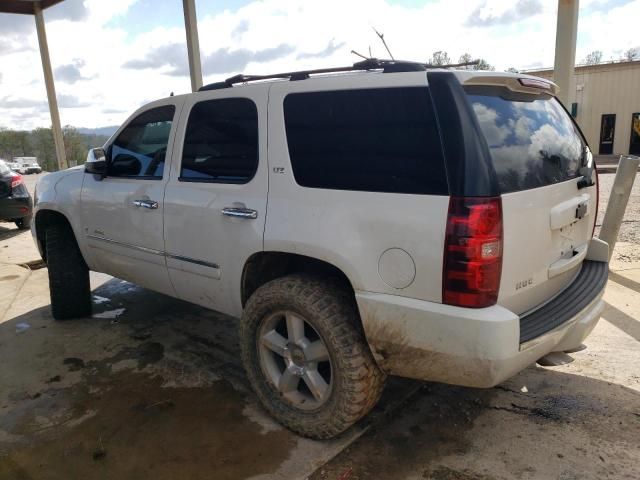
x=28 y=165
x=426 y=223
x=15 y=166
x=15 y=202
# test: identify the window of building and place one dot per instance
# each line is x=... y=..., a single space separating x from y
x=382 y=140
x=221 y=142
x=140 y=149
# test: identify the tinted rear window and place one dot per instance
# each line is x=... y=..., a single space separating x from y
x=382 y=140
x=532 y=139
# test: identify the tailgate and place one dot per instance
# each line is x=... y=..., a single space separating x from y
x=538 y=155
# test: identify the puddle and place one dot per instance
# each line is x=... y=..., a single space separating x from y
x=133 y=428
x=97 y=299
x=110 y=314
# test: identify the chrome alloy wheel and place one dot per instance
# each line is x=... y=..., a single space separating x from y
x=295 y=360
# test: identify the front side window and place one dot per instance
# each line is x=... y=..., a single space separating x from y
x=375 y=140
x=140 y=149
x=221 y=142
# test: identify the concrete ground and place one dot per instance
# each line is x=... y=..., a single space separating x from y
x=152 y=387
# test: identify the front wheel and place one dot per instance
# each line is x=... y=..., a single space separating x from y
x=306 y=358
x=68 y=274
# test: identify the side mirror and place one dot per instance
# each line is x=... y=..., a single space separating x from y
x=96 y=162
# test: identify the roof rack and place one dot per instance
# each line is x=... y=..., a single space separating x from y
x=387 y=66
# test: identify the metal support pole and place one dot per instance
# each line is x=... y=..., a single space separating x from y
x=193 y=44
x=625 y=176
x=565 y=57
x=58 y=139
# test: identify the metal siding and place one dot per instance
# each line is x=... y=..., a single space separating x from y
x=608 y=88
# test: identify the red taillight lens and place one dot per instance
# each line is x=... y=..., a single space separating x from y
x=472 y=252
x=16 y=180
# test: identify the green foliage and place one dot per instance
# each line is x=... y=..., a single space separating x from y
x=39 y=143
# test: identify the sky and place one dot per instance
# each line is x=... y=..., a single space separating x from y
x=109 y=57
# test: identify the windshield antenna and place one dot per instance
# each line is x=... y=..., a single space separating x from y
x=381 y=35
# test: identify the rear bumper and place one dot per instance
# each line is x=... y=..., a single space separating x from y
x=473 y=347
x=12 y=208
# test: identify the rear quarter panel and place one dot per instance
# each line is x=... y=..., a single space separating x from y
x=352 y=229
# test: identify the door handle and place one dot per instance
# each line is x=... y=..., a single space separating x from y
x=151 y=204
x=240 y=212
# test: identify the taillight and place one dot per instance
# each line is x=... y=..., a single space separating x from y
x=472 y=252
x=16 y=180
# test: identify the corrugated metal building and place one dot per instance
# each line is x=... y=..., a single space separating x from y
x=606 y=104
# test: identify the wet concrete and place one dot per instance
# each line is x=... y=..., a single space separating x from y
x=157 y=392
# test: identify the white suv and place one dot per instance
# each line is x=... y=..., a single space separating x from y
x=383 y=219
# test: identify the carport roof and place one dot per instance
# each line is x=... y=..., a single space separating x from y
x=24 y=6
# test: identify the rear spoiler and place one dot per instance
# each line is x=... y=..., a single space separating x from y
x=532 y=85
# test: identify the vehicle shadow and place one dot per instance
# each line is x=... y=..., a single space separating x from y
x=8 y=230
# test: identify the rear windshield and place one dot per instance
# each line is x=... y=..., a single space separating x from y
x=532 y=139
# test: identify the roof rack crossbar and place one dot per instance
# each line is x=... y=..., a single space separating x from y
x=387 y=66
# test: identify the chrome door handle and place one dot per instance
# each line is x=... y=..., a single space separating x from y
x=240 y=212
x=151 y=204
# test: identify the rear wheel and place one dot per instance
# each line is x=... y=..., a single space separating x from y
x=68 y=275
x=23 y=223
x=306 y=358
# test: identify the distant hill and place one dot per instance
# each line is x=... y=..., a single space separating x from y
x=101 y=131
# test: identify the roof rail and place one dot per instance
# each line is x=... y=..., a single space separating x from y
x=387 y=66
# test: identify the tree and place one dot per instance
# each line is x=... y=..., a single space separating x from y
x=74 y=146
x=632 y=54
x=481 y=65
x=440 y=58
x=42 y=146
x=513 y=70
x=593 y=58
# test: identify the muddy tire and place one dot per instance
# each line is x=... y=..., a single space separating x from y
x=306 y=356
x=68 y=275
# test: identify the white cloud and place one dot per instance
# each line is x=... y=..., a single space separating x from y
x=268 y=36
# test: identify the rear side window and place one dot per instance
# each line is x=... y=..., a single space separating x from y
x=380 y=140
x=221 y=142
x=532 y=139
